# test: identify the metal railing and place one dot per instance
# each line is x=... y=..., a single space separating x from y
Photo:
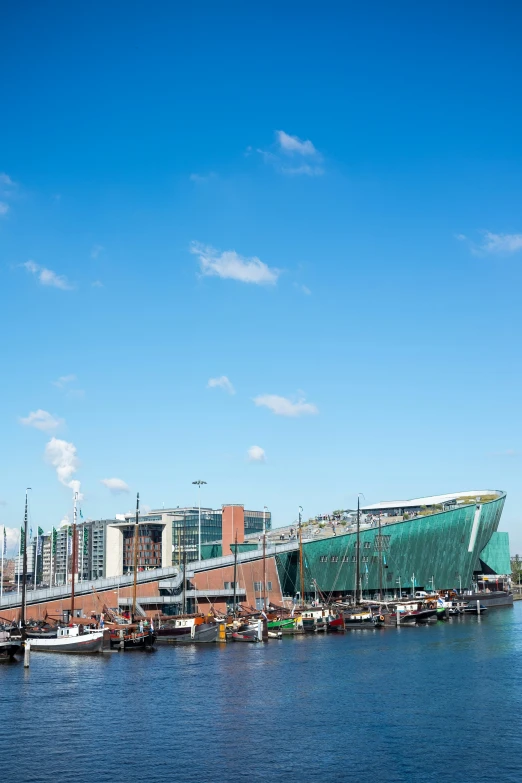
x=171 y=573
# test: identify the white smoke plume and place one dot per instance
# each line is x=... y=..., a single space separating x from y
x=62 y=456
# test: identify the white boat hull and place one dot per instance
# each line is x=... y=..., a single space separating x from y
x=86 y=643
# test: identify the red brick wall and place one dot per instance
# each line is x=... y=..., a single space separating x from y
x=233 y=521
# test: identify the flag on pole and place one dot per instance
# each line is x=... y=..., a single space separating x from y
x=85 y=541
x=5 y=542
x=22 y=541
x=54 y=536
x=69 y=540
x=81 y=515
x=39 y=546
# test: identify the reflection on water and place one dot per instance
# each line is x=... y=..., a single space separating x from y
x=438 y=703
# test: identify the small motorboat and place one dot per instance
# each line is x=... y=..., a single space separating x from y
x=275 y=634
x=41 y=631
x=246 y=633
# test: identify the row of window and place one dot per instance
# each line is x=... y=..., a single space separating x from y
x=258 y=586
x=346 y=559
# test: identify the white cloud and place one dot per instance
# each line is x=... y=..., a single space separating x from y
x=42 y=420
x=4 y=208
x=305 y=156
x=231 y=266
x=5 y=179
x=501 y=243
x=303 y=288
x=63 y=380
x=12 y=539
x=256 y=454
x=292 y=145
x=221 y=383
x=62 y=456
x=47 y=276
x=97 y=284
x=282 y=406
x=115 y=485
x=96 y=250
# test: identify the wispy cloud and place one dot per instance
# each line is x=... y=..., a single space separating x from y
x=293 y=145
x=115 y=485
x=97 y=284
x=200 y=179
x=306 y=158
x=500 y=243
x=493 y=244
x=64 y=380
x=96 y=250
x=304 y=168
x=230 y=265
x=42 y=420
x=47 y=277
x=506 y=453
x=283 y=406
x=7 y=191
x=63 y=457
x=64 y=383
x=256 y=454
x=221 y=383
x=303 y=288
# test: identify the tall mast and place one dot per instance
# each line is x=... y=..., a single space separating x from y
x=135 y=582
x=74 y=554
x=235 y=575
x=380 y=560
x=264 y=559
x=24 y=572
x=184 y=603
x=358 y=555
x=301 y=570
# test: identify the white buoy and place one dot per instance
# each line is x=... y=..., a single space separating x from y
x=27 y=654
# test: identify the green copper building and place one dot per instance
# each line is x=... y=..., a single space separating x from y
x=440 y=542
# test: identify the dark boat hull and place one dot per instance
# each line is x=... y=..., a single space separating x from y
x=9 y=649
x=489 y=600
x=138 y=641
x=203 y=634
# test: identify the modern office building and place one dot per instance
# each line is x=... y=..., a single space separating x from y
x=184 y=523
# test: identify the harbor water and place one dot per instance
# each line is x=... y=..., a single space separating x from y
x=438 y=703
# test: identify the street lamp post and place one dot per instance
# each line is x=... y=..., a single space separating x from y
x=199 y=484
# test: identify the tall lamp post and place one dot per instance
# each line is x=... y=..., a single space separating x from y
x=199 y=484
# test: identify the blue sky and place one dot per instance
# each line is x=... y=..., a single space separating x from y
x=319 y=208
